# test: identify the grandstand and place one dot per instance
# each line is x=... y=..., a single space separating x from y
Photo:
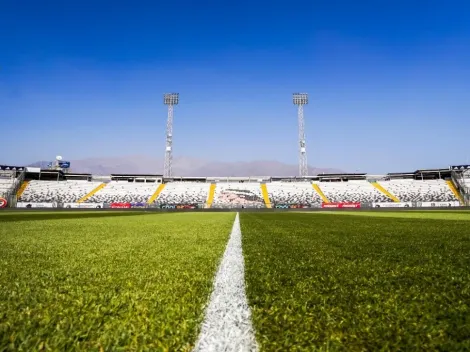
x=420 y=191
x=239 y=194
x=441 y=187
x=187 y=192
x=360 y=191
x=6 y=184
x=288 y=192
x=69 y=191
x=123 y=192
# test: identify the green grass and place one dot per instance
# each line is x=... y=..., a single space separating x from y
x=95 y=281
x=463 y=215
x=358 y=283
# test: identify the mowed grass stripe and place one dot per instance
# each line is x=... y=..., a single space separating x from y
x=351 y=283
x=451 y=215
x=54 y=214
x=113 y=283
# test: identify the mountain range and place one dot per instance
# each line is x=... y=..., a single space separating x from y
x=185 y=166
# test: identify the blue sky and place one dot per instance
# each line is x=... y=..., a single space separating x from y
x=388 y=80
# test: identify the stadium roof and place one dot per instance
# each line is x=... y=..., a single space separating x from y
x=135 y=175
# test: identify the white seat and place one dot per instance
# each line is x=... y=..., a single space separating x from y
x=352 y=191
x=420 y=191
x=7 y=184
x=292 y=193
x=184 y=193
x=124 y=192
x=56 y=191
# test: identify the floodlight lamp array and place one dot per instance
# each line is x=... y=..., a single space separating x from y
x=300 y=98
x=171 y=99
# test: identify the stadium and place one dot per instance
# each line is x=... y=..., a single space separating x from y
x=165 y=263
x=58 y=187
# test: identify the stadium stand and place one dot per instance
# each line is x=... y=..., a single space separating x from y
x=238 y=194
x=93 y=191
x=6 y=184
x=124 y=192
x=381 y=189
x=353 y=191
x=156 y=194
x=55 y=186
x=56 y=191
x=293 y=193
x=317 y=189
x=420 y=191
x=184 y=193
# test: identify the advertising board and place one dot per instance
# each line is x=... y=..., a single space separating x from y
x=291 y=206
x=438 y=204
x=64 y=164
x=341 y=205
x=392 y=205
x=35 y=205
x=3 y=203
x=138 y=205
x=120 y=205
x=83 y=205
x=179 y=206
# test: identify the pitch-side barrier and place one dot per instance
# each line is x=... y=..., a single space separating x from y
x=354 y=206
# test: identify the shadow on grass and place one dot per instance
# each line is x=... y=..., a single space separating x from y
x=34 y=216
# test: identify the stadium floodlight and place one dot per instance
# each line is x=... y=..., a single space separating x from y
x=169 y=99
x=301 y=99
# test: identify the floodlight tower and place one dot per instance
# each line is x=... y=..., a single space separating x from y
x=169 y=99
x=301 y=99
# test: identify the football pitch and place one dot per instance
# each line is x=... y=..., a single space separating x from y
x=326 y=281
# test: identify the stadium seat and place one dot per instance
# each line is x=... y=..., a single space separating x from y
x=237 y=195
x=292 y=193
x=6 y=185
x=353 y=191
x=124 y=192
x=56 y=191
x=420 y=191
x=184 y=193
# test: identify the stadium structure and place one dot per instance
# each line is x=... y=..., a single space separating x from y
x=58 y=187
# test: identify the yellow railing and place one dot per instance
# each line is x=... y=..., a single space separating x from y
x=210 y=196
x=264 y=192
x=23 y=186
x=84 y=198
x=381 y=188
x=155 y=195
x=317 y=189
x=454 y=190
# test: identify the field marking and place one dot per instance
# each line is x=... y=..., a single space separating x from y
x=227 y=324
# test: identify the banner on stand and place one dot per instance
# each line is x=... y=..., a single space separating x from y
x=392 y=205
x=120 y=205
x=83 y=205
x=35 y=205
x=341 y=205
x=179 y=206
x=438 y=204
x=291 y=206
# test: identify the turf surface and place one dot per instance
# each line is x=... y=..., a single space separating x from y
x=323 y=281
x=88 y=282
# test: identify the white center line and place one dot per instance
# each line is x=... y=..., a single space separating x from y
x=227 y=325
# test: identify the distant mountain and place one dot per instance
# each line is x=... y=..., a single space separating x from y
x=183 y=166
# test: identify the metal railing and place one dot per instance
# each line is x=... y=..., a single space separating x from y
x=462 y=188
